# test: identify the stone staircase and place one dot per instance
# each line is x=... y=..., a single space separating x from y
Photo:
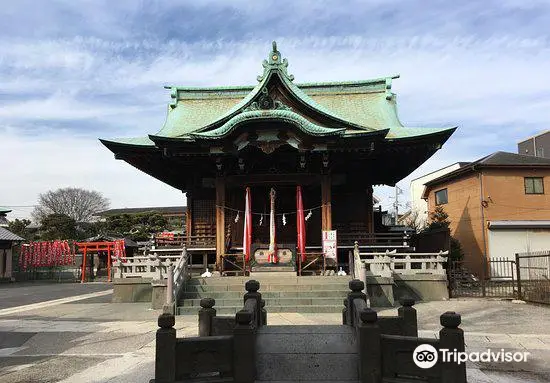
x=282 y=293
x=306 y=353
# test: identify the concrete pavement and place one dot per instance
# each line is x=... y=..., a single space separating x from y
x=23 y=293
x=93 y=341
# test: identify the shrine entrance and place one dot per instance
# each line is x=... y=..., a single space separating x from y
x=273 y=223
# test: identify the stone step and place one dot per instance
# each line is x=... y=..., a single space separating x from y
x=268 y=287
x=271 y=302
x=230 y=310
x=273 y=270
x=268 y=278
x=267 y=294
x=306 y=353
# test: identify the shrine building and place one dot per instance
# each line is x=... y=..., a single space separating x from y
x=287 y=160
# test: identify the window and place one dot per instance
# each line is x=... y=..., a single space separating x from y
x=534 y=185
x=441 y=197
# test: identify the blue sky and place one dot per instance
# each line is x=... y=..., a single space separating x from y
x=73 y=71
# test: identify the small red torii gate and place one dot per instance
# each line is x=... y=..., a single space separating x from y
x=96 y=247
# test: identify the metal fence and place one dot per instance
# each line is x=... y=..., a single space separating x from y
x=498 y=279
x=533 y=269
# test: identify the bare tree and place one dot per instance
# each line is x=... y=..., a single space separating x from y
x=414 y=221
x=79 y=204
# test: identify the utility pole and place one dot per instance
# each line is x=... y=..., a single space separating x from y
x=396 y=203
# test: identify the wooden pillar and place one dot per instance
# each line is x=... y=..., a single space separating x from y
x=109 y=263
x=370 y=211
x=220 y=220
x=189 y=216
x=326 y=197
x=83 y=277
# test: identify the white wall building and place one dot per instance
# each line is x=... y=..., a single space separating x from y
x=507 y=238
x=417 y=189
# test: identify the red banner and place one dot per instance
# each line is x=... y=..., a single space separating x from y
x=46 y=254
x=300 y=224
x=247 y=235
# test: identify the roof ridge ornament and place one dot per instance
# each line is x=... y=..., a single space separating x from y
x=265 y=102
x=275 y=62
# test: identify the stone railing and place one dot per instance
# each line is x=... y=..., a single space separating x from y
x=388 y=357
x=211 y=355
x=212 y=325
x=390 y=262
x=177 y=276
x=181 y=274
x=152 y=266
x=405 y=323
x=406 y=264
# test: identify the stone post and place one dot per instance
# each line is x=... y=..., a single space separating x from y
x=119 y=271
x=452 y=338
x=356 y=286
x=169 y=306
x=244 y=348
x=252 y=288
x=206 y=313
x=264 y=313
x=370 y=359
x=345 y=312
x=408 y=313
x=165 y=355
x=356 y=257
x=158 y=264
x=363 y=276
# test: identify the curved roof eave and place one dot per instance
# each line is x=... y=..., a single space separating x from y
x=289 y=116
x=404 y=133
x=136 y=142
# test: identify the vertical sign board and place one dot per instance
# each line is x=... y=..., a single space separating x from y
x=329 y=245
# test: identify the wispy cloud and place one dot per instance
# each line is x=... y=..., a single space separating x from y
x=96 y=68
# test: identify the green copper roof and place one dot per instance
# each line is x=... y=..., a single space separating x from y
x=213 y=112
x=137 y=141
x=4 y=210
x=402 y=132
x=273 y=114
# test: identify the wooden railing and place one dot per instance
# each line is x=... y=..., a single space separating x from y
x=231 y=356
x=374 y=240
x=314 y=263
x=234 y=264
x=194 y=241
x=386 y=346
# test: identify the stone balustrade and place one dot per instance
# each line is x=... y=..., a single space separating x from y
x=390 y=262
x=225 y=349
x=390 y=275
x=152 y=266
x=405 y=263
x=386 y=345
